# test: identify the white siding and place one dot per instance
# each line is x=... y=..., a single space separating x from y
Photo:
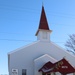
x=23 y=58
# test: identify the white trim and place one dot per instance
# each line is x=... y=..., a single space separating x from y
x=23 y=47
x=62 y=49
x=44 y=56
x=42 y=30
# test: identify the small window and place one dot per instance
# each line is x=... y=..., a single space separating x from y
x=23 y=71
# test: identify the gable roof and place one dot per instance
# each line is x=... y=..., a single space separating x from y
x=62 y=66
x=46 y=67
x=53 y=60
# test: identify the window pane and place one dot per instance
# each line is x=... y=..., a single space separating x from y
x=23 y=71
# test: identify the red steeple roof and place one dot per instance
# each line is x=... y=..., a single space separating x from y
x=43 y=25
x=43 y=20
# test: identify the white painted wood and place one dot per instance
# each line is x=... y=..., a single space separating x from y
x=23 y=58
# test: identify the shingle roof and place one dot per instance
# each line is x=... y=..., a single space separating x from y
x=43 y=20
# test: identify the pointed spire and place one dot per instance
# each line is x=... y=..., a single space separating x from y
x=43 y=20
x=43 y=25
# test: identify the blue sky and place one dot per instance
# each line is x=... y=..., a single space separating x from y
x=19 y=21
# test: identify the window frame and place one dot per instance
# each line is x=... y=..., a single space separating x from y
x=24 y=71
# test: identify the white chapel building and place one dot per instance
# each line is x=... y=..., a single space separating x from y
x=42 y=57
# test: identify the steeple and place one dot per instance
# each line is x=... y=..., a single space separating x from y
x=43 y=20
x=43 y=32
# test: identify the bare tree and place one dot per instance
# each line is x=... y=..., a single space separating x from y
x=70 y=44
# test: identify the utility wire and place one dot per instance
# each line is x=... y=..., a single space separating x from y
x=64 y=15
x=14 y=33
x=23 y=40
x=30 y=9
x=16 y=40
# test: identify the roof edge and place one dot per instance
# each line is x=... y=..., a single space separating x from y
x=45 y=55
x=42 y=30
x=23 y=47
